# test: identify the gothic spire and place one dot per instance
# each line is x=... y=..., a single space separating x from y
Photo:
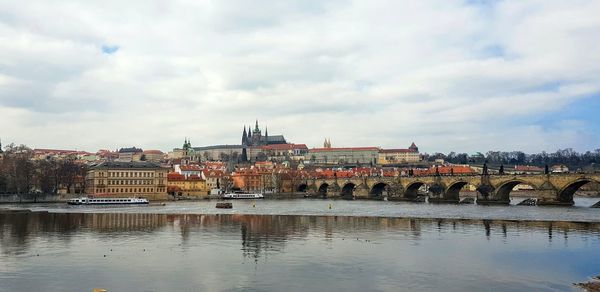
x=244 y=137
x=266 y=132
x=256 y=127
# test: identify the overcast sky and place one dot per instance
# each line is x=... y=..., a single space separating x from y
x=449 y=75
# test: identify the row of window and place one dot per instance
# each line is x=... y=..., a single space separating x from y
x=130 y=182
x=132 y=190
x=132 y=174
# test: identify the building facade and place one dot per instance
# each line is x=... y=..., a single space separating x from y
x=190 y=186
x=346 y=155
x=153 y=155
x=399 y=156
x=216 y=153
x=130 y=154
x=127 y=179
x=285 y=152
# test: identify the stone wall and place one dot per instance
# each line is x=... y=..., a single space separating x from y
x=13 y=198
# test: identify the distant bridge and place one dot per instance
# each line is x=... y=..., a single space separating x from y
x=548 y=189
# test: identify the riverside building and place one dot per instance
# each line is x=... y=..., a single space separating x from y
x=127 y=179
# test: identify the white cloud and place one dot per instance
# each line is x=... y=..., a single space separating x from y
x=445 y=74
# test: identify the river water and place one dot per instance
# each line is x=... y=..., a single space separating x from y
x=580 y=212
x=186 y=247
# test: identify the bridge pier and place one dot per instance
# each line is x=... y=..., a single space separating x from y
x=334 y=191
x=361 y=191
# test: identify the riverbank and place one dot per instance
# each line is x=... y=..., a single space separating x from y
x=590 y=286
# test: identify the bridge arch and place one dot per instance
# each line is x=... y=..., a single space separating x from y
x=567 y=193
x=412 y=190
x=504 y=189
x=322 y=190
x=348 y=190
x=302 y=188
x=453 y=191
x=379 y=190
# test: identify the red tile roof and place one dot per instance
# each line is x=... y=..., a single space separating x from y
x=191 y=167
x=173 y=176
x=212 y=173
x=528 y=168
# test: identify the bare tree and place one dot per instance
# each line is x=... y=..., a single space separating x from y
x=46 y=176
x=67 y=173
x=19 y=170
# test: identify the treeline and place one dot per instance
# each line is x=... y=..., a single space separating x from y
x=568 y=157
x=20 y=174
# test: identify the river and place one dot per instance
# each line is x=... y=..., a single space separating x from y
x=580 y=212
x=299 y=245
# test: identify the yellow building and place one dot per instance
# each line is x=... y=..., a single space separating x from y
x=127 y=179
x=153 y=155
x=192 y=186
x=399 y=156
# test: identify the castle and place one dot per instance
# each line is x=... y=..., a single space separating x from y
x=254 y=138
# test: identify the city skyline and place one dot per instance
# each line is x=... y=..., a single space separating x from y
x=486 y=75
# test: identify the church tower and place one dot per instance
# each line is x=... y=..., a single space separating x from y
x=244 y=138
x=187 y=145
x=414 y=147
x=266 y=136
x=249 y=138
x=256 y=135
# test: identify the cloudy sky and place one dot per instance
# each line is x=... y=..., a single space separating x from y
x=449 y=75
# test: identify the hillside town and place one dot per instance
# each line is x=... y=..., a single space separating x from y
x=260 y=163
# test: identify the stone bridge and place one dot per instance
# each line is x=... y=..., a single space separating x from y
x=548 y=189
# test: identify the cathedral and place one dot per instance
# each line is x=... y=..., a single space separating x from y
x=255 y=138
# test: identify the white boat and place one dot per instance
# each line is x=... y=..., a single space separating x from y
x=107 y=201
x=243 y=196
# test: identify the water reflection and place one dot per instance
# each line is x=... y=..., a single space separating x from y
x=167 y=252
x=257 y=232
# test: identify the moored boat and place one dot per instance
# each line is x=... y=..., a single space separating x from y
x=107 y=201
x=231 y=196
x=224 y=205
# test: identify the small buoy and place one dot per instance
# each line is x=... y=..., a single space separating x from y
x=38 y=255
x=111 y=249
x=144 y=249
x=329 y=206
x=104 y=255
x=253 y=205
